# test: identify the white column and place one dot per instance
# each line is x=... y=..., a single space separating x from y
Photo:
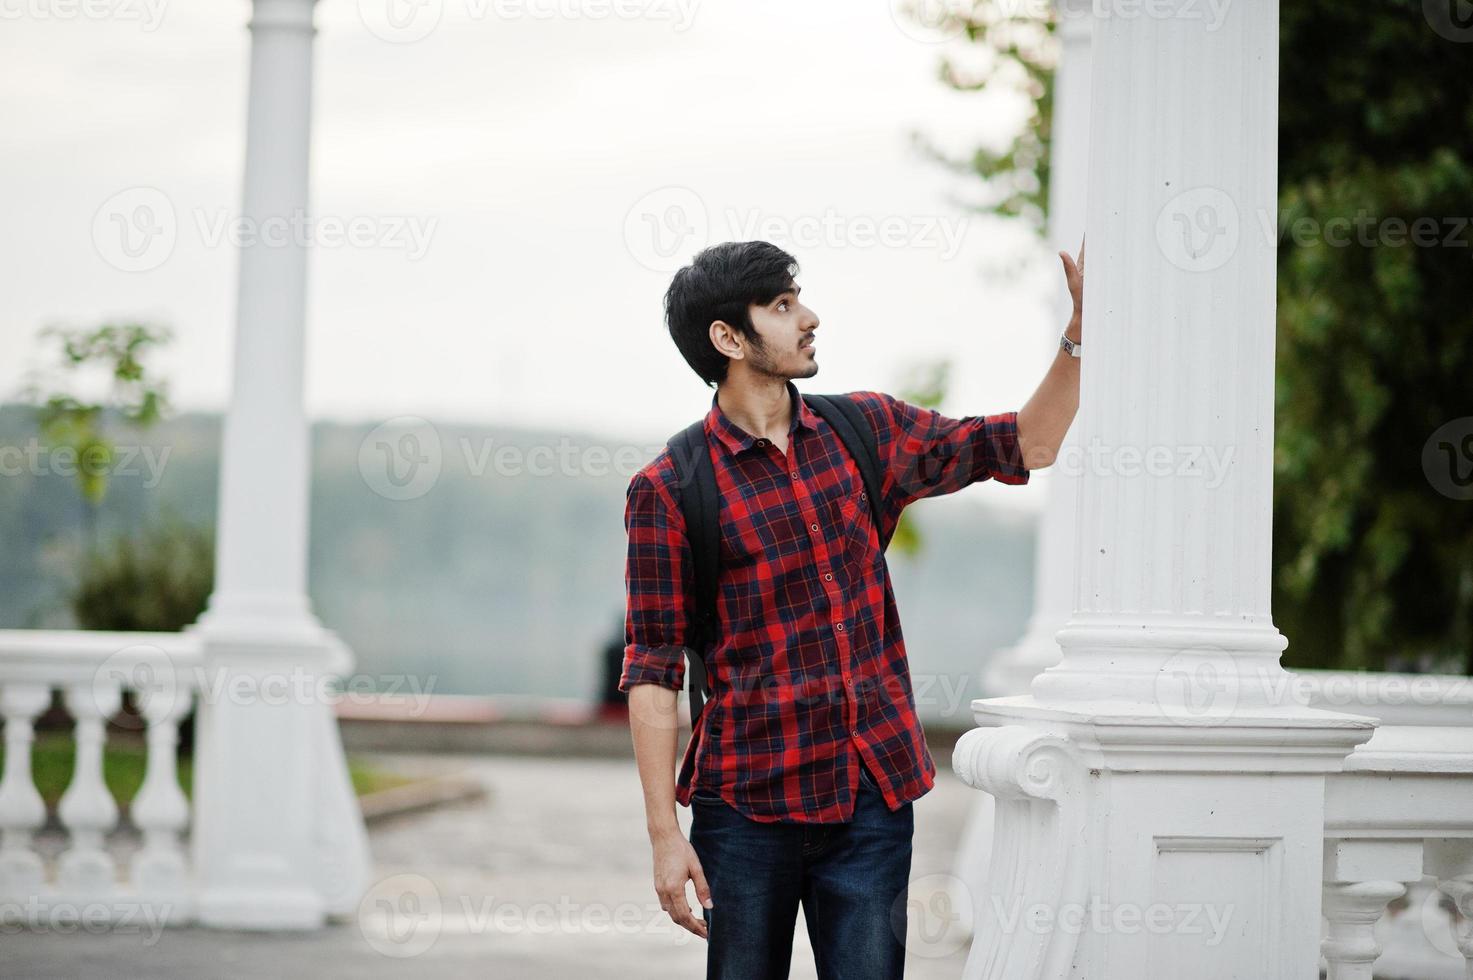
x=267 y=855
x=1198 y=781
x=261 y=554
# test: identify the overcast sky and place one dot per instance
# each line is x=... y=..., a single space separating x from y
x=522 y=175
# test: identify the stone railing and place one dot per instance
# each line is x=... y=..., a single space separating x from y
x=1398 y=822
x=198 y=862
x=1402 y=812
x=1397 y=818
x=91 y=671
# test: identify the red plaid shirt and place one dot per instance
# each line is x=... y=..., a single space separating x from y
x=809 y=673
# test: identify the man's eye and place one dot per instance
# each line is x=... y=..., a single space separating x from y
x=783 y=306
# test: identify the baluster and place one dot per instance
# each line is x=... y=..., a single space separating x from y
x=87 y=808
x=1451 y=862
x=1361 y=878
x=22 y=810
x=1353 y=909
x=1460 y=890
x=160 y=810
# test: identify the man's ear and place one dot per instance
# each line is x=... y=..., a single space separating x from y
x=726 y=339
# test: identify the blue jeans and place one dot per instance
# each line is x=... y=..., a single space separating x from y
x=850 y=878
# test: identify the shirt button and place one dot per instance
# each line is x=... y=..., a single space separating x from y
x=795 y=474
x=828 y=576
x=761 y=442
x=862 y=496
x=813 y=526
x=855 y=733
x=839 y=627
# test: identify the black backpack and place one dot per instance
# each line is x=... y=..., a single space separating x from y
x=700 y=503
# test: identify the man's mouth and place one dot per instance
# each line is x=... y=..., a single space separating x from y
x=806 y=344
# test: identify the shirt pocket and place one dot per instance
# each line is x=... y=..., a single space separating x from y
x=857 y=533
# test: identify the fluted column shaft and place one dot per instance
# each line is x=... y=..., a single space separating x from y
x=1176 y=408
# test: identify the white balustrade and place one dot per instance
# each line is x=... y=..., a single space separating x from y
x=1401 y=810
x=91 y=670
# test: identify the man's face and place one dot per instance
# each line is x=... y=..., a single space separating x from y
x=784 y=348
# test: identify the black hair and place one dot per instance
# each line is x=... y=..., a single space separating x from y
x=723 y=282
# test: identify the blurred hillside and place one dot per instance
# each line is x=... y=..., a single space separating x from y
x=493 y=580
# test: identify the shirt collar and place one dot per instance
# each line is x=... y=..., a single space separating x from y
x=736 y=439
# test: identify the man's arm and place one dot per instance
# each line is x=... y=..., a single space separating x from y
x=657 y=582
x=1045 y=418
x=653 y=721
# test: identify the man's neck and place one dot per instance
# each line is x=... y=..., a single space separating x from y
x=760 y=406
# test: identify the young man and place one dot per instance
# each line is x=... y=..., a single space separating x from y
x=803 y=766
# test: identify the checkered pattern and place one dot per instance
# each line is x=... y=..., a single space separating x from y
x=809 y=672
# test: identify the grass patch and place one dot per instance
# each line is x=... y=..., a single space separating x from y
x=54 y=756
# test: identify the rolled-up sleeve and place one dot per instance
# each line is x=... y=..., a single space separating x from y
x=657 y=587
x=930 y=454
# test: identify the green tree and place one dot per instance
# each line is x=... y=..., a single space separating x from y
x=1373 y=553
x=71 y=420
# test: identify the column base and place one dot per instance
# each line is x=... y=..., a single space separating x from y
x=267 y=907
x=279 y=840
x=1128 y=845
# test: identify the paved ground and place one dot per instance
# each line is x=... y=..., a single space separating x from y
x=548 y=877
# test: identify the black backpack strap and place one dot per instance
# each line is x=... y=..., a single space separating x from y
x=700 y=504
x=858 y=436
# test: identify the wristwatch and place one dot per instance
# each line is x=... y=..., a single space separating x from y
x=1070 y=347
